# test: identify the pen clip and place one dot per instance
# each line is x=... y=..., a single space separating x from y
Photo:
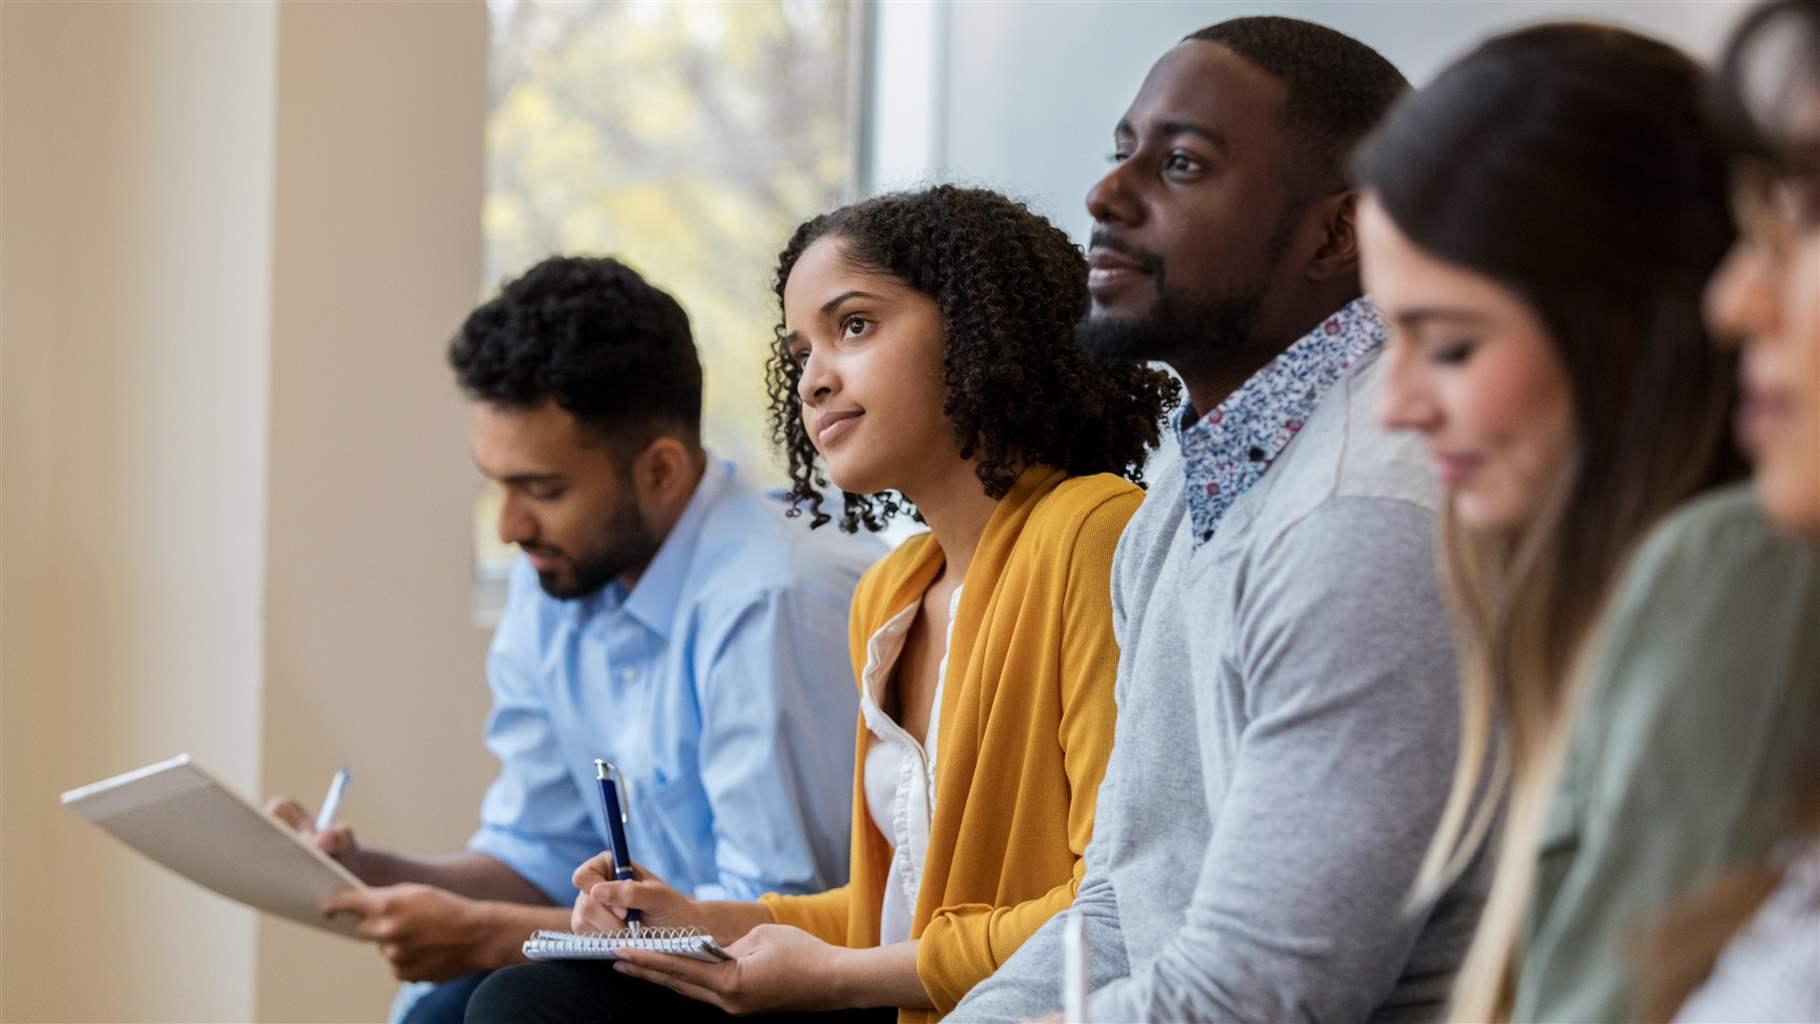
x=607 y=773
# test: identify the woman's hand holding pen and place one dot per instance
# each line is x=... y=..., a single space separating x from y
x=601 y=903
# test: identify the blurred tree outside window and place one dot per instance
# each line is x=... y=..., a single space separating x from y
x=688 y=138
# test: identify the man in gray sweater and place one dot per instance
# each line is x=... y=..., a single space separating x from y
x=1287 y=698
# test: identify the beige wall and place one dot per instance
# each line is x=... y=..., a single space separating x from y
x=234 y=492
x=369 y=655
x=137 y=185
x=2 y=541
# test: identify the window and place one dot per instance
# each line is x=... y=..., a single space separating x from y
x=687 y=138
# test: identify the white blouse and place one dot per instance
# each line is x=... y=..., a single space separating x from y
x=900 y=772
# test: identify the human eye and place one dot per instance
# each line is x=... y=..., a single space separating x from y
x=545 y=490
x=1454 y=352
x=1179 y=161
x=854 y=326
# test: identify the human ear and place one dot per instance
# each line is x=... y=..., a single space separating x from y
x=1338 y=254
x=663 y=472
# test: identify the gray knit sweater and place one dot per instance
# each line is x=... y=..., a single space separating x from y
x=1288 y=719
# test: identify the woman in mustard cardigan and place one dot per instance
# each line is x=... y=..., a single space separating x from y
x=926 y=365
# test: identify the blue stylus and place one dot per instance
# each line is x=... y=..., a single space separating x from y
x=616 y=832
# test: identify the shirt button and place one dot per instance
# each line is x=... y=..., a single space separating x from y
x=626 y=675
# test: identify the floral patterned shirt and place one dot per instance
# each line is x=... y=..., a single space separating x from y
x=1228 y=450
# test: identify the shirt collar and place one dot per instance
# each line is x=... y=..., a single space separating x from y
x=653 y=601
x=1227 y=451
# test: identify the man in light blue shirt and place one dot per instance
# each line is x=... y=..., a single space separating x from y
x=720 y=688
x=667 y=616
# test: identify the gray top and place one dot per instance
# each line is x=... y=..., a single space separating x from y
x=1697 y=714
x=1288 y=720
x=1771 y=972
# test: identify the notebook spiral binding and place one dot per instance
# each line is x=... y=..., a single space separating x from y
x=552 y=945
x=643 y=933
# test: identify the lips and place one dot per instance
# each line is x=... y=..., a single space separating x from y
x=1111 y=260
x=1454 y=469
x=543 y=561
x=1110 y=264
x=1760 y=413
x=833 y=425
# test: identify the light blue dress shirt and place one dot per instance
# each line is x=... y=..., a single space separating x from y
x=721 y=688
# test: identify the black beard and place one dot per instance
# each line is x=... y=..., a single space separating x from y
x=632 y=546
x=1175 y=331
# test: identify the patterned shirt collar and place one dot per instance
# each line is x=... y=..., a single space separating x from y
x=1228 y=450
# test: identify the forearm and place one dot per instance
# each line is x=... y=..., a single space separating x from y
x=508 y=925
x=730 y=920
x=879 y=976
x=468 y=873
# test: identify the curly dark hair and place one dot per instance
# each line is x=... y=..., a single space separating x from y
x=611 y=349
x=1020 y=391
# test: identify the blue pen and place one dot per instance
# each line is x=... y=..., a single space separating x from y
x=616 y=832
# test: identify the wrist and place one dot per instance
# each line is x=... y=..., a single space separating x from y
x=376 y=867
x=359 y=864
x=499 y=931
x=841 y=971
x=728 y=921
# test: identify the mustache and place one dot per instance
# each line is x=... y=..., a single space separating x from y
x=1149 y=261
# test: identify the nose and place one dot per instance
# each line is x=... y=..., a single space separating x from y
x=1741 y=299
x=1405 y=402
x=516 y=524
x=818 y=379
x=1111 y=200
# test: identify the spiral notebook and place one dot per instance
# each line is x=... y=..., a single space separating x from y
x=689 y=942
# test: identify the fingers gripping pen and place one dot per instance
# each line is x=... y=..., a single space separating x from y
x=616 y=832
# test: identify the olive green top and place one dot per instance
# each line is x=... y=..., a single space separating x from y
x=1702 y=698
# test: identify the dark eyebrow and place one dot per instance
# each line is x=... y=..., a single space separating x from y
x=526 y=479
x=1410 y=319
x=828 y=307
x=517 y=479
x=792 y=337
x=1213 y=136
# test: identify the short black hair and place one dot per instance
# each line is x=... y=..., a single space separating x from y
x=1010 y=287
x=608 y=347
x=1338 y=89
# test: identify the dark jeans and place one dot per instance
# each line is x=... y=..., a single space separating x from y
x=576 y=991
x=447 y=1003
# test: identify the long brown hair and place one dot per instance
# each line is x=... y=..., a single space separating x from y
x=1557 y=161
x=1768 y=64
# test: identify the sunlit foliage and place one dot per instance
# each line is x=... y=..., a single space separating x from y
x=686 y=138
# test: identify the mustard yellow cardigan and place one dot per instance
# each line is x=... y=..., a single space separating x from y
x=1026 y=726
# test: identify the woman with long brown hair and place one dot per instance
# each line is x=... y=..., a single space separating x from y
x=1538 y=227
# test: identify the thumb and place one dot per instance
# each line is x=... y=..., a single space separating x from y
x=359 y=902
x=335 y=840
x=636 y=895
x=291 y=813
